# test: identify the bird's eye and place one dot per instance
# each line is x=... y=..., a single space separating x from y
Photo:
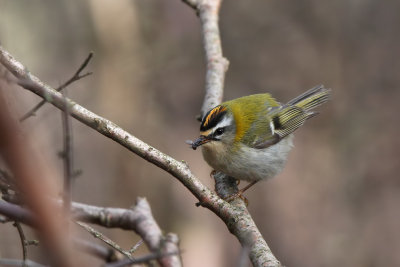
x=219 y=131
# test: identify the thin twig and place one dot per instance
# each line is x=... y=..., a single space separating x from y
x=23 y=242
x=136 y=246
x=67 y=157
x=105 y=239
x=77 y=76
x=192 y=3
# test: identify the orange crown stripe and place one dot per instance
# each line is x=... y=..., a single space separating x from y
x=214 y=112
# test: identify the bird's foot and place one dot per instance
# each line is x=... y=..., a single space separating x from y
x=239 y=194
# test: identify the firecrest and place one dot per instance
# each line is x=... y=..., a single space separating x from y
x=249 y=138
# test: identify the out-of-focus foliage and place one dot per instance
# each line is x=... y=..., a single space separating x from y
x=337 y=201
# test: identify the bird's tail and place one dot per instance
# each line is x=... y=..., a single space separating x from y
x=292 y=115
x=312 y=98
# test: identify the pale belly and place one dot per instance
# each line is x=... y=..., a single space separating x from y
x=249 y=163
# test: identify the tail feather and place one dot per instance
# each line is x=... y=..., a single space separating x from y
x=292 y=115
x=293 y=124
x=312 y=98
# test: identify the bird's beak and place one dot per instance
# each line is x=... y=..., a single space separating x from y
x=200 y=141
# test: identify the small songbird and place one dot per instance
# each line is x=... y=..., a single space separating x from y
x=249 y=138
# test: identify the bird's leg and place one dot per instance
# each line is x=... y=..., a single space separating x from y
x=240 y=193
x=247 y=186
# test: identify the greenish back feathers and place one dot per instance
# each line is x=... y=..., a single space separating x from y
x=250 y=113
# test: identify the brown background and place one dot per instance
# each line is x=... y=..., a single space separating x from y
x=337 y=201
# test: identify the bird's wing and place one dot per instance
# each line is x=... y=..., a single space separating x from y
x=284 y=121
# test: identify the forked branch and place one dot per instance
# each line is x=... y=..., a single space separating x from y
x=234 y=214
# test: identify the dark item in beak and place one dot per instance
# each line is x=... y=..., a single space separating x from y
x=199 y=141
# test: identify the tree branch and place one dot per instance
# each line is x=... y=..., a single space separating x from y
x=244 y=227
x=136 y=246
x=234 y=214
x=139 y=219
x=105 y=239
x=23 y=242
x=217 y=65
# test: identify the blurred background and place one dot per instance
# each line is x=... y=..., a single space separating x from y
x=337 y=202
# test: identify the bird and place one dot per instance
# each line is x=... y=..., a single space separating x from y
x=249 y=138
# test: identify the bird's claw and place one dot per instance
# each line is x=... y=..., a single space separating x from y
x=237 y=195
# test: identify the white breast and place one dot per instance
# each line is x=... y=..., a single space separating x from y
x=248 y=163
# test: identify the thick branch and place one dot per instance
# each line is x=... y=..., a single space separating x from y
x=217 y=65
x=235 y=216
x=17 y=213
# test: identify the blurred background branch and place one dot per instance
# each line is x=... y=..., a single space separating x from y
x=33 y=177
